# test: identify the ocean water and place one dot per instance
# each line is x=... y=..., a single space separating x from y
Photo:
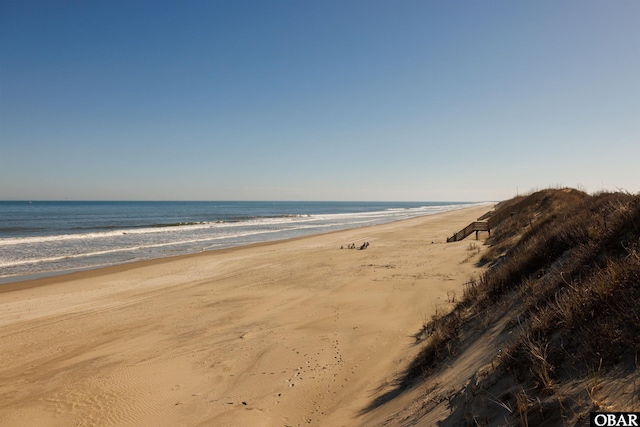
x=47 y=237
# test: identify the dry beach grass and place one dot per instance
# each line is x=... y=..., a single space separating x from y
x=549 y=333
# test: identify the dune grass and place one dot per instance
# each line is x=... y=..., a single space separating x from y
x=566 y=273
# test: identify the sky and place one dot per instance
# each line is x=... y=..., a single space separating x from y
x=333 y=100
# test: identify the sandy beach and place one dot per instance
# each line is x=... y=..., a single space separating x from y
x=299 y=332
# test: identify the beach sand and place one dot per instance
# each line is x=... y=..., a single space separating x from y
x=298 y=332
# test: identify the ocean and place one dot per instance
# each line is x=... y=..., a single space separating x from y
x=51 y=237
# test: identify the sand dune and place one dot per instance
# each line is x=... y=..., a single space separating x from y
x=298 y=332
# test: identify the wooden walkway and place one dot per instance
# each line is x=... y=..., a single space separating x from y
x=492 y=218
x=474 y=226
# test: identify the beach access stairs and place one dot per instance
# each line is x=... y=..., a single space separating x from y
x=501 y=212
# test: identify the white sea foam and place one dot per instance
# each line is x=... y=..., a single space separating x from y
x=148 y=230
x=87 y=254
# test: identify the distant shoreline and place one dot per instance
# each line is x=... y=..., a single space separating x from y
x=46 y=275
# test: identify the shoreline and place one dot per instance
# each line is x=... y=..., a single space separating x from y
x=100 y=239
x=90 y=272
x=290 y=332
x=45 y=278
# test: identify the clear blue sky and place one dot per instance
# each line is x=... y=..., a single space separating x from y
x=317 y=100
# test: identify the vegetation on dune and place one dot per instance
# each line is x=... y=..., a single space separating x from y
x=563 y=284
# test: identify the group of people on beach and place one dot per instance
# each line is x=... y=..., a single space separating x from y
x=365 y=245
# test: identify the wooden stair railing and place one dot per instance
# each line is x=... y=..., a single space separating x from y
x=494 y=218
